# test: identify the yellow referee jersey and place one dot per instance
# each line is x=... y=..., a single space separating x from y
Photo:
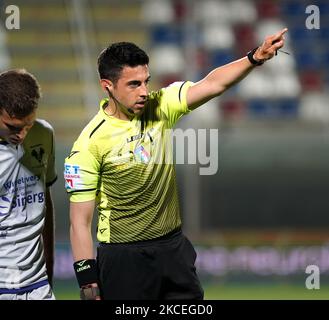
x=127 y=166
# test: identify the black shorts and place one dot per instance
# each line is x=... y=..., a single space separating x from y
x=162 y=268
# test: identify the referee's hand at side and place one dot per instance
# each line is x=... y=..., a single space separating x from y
x=90 y=292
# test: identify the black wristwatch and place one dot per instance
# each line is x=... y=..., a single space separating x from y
x=89 y=292
x=250 y=56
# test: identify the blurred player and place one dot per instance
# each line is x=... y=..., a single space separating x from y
x=120 y=162
x=26 y=173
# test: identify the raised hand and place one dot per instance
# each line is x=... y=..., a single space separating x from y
x=270 y=46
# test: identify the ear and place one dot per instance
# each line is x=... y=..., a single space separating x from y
x=106 y=85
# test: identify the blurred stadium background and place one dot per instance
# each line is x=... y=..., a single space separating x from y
x=264 y=217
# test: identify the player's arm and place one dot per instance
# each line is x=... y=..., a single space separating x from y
x=222 y=78
x=81 y=214
x=48 y=235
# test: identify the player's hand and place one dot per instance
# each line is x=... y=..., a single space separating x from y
x=90 y=292
x=270 y=45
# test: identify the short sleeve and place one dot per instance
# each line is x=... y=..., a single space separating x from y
x=81 y=174
x=174 y=103
x=51 y=174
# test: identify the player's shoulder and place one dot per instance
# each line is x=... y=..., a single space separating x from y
x=156 y=94
x=42 y=133
x=93 y=128
x=43 y=125
x=90 y=143
x=41 y=129
x=174 y=88
x=157 y=97
x=177 y=85
x=92 y=132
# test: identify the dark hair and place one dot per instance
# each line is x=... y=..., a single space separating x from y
x=19 y=93
x=115 y=57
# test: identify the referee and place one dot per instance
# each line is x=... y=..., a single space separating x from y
x=120 y=164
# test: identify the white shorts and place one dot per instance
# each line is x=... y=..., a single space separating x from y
x=42 y=293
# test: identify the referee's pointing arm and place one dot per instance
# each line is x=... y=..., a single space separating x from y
x=222 y=78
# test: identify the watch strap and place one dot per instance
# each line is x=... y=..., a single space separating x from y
x=250 y=56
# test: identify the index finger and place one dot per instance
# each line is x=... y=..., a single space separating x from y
x=280 y=34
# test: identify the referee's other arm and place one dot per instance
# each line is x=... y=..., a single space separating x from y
x=81 y=216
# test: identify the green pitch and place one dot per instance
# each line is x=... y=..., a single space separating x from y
x=264 y=292
x=69 y=291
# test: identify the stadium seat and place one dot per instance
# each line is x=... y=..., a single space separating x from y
x=282 y=63
x=260 y=108
x=273 y=108
x=166 y=60
x=326 y=78
x=292 y=9
x=324 y=32
x=245 y=38
x=311 y=80
x=232 y=109
x=258 y=85
x=202 y=60
x=155 y=12
x=286 y=85
x=229 y=29
x=208 y=115
x=221 y=57
x=217 y=36
x=4 y=56
x=314 y=107
x=287 y=107
x=267 y=9
x=180 y=10
x=163 y=34
x=212 y=11
x=308 y=59
x=302 y=36
x=167 y=79
x=242 y=11
x=323 y=7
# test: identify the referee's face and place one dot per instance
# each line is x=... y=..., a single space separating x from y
x=131 y=89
